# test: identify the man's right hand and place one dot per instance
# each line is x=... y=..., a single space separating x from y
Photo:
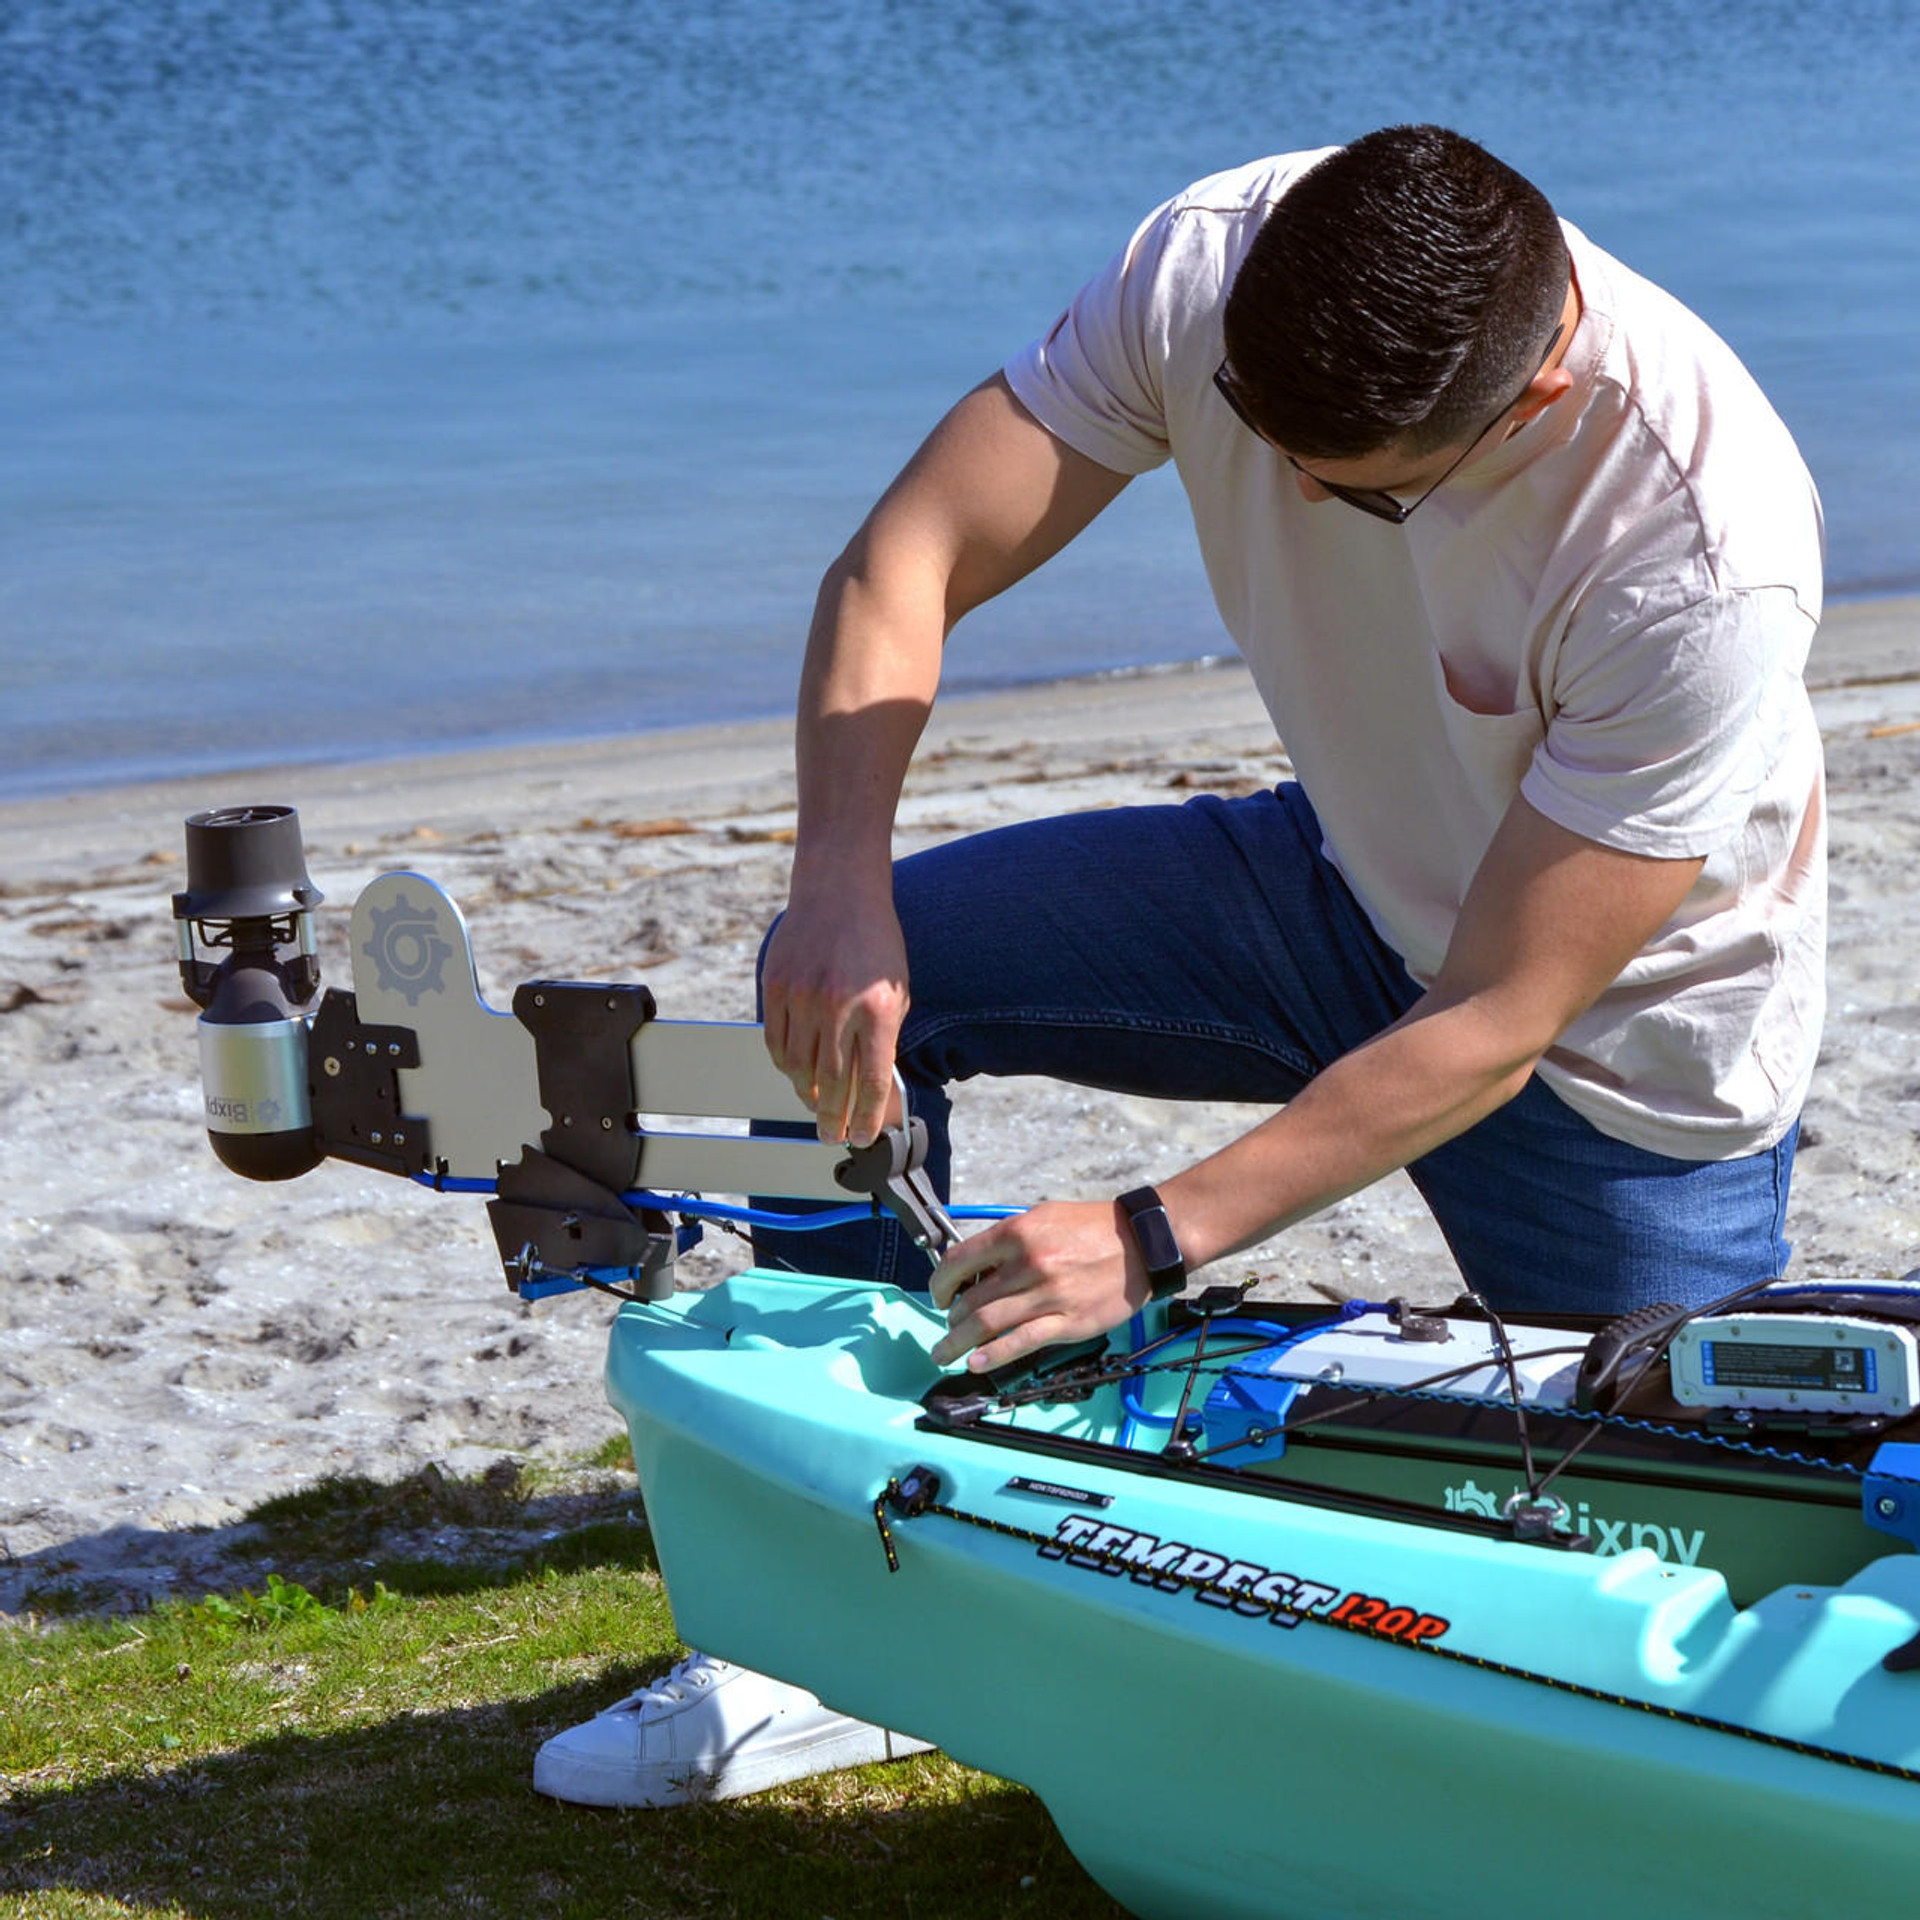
x=834 y=989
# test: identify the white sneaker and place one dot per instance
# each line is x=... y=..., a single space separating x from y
x=708 y=1731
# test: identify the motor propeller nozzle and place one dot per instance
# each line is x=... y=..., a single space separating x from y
x=247 y=888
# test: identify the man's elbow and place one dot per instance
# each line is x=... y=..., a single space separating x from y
x=1511 y=1080
x=1505 y=1043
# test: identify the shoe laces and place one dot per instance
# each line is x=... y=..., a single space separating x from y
x=694 y=1674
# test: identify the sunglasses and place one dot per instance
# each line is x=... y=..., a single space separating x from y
x=1375 y=500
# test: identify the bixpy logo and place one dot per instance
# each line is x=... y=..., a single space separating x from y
x=1608 y=1536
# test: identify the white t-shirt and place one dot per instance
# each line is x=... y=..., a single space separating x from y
x=1609 y=613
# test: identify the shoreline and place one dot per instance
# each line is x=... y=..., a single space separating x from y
x=724 y=762
x=1861 y=644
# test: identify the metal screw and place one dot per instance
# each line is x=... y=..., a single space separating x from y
x=377 y=1138
x=606 y=1125
x=393 y=1047
x=331 y=1066
x=1886 y=1506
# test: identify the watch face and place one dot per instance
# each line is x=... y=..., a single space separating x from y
x=1156 y=1240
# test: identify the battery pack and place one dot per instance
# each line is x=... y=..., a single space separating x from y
x=1804 y=1362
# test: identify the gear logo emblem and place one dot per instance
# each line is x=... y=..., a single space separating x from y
x=407 y=952
x=1472 y=1499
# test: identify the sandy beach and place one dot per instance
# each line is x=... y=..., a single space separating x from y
x=177 y=1344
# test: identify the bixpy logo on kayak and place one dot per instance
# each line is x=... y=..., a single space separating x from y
x=1608 y=1536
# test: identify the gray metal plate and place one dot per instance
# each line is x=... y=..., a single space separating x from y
x=477 y=1085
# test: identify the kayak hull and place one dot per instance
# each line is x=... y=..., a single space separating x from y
x=1180 y=1670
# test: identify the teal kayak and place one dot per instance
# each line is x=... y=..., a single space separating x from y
x=1248 y=1695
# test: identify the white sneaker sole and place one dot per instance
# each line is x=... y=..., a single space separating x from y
x=675 y=1783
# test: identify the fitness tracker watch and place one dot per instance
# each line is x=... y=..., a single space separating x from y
x=1153 y=1235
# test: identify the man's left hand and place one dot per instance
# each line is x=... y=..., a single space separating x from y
x=1061 y=1271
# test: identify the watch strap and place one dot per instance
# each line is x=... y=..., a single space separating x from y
x=1153 y=1234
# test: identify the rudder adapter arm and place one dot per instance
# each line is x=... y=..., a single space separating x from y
x=565 y=1107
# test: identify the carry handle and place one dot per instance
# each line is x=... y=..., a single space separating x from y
x=1598 y=1387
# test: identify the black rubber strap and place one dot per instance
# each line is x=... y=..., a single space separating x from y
x=1153 y=1235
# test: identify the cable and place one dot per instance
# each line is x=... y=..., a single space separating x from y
x=1177 y=1442
x=1133 y=1415
x=701 y=1209
x=1527 y=1469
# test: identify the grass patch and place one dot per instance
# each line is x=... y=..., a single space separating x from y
x=339 y=1742
x=346 y=1515
x=433 y=1533
x=614 y=1454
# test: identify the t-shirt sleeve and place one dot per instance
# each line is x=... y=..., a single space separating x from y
x=1095 y=379
x=1664 y=734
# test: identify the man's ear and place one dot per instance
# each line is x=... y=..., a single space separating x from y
x=1548 y=385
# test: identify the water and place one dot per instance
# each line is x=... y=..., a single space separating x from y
x=387 y=374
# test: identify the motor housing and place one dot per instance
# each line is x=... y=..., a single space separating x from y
x=248 y=894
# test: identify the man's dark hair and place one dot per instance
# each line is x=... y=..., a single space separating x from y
x=1399 y=291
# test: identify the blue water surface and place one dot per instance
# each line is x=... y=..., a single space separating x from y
x=379 y=375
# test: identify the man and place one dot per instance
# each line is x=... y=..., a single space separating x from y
x=1526 y=570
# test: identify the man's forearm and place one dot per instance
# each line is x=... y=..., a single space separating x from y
x=1063 y=1270
x=872 y=669
x=1410 y=1089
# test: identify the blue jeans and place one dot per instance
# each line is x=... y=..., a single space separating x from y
x=1210 y=952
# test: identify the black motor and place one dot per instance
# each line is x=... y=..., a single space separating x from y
x=248 y=892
